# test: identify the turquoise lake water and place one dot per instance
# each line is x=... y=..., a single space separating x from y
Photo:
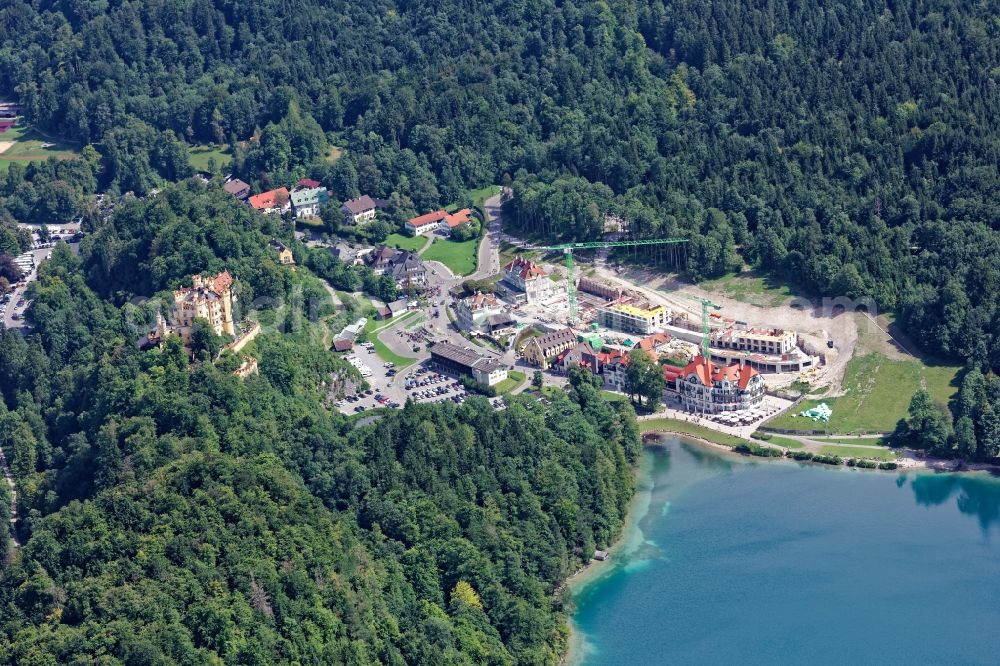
x=748 y=562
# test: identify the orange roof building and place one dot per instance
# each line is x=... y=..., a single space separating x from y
x=272 y=201
x=524 y=281
x=426 y=223
x=707 y=388
x=457 y=219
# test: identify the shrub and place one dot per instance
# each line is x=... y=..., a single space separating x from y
x=474 y=386
x=887 y=465
x=749 y=448
x=761 y=435
x=867 y=464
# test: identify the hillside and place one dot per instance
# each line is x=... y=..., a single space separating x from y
x=851 y=148
x=174 y=513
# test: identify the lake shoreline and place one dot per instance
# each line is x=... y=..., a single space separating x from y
x=904 y=463
x=594 y=570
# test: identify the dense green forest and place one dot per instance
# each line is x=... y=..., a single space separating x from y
x=849 y=147
x=173 y=513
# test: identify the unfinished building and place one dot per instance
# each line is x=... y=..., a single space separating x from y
x=639 y=318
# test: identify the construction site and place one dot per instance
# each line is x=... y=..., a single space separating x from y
x=610 y=311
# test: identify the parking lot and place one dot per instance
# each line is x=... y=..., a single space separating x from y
x=14 y=304
x=391 y=389
x=425 y=385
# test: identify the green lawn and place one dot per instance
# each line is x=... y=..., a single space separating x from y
x=411 y=243
x=482 y=194
x=347 y=298
x=374 y=326
x=200 y=155
x=508 y=252
x=687 y=428
x=878 y=393
x=514 y=380
x=748 y=287
x=611 y=396
x=854 y=441
x=387 y=354
x=857 y=452
x=525 y=335
x=30 y=146
x=460 y=258
x=551 y=392
x=786 y=442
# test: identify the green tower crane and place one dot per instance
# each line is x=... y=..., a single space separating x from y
x=705 y=305
x=567 y=249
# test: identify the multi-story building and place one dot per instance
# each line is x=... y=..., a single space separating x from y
x=630 y=318
x=405 y=267
x=408 y=270
x=525 y=281
x=237 y=188
x=764 y=341
x=707 y=388
x=609 y=365
x=360 y=210
x=459 y=361
x=210 y=298
x=544 y=349
x=426 y=223
x=473 y=312
x=308 y=201
x=455 y=220
x=438 y=220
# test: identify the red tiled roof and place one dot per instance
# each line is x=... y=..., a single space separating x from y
x=650 y=342
x=480 y=299
x=308 y=183
x=269 y=199
x=221 y=282
x=524 y=268
x=708 y=372
x=671 y=373
x=458 y=218
x=429 y=218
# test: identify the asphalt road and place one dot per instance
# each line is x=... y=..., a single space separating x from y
x=18 y=293
x=489 y=249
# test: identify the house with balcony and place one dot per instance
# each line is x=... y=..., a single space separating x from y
x=707 y=388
